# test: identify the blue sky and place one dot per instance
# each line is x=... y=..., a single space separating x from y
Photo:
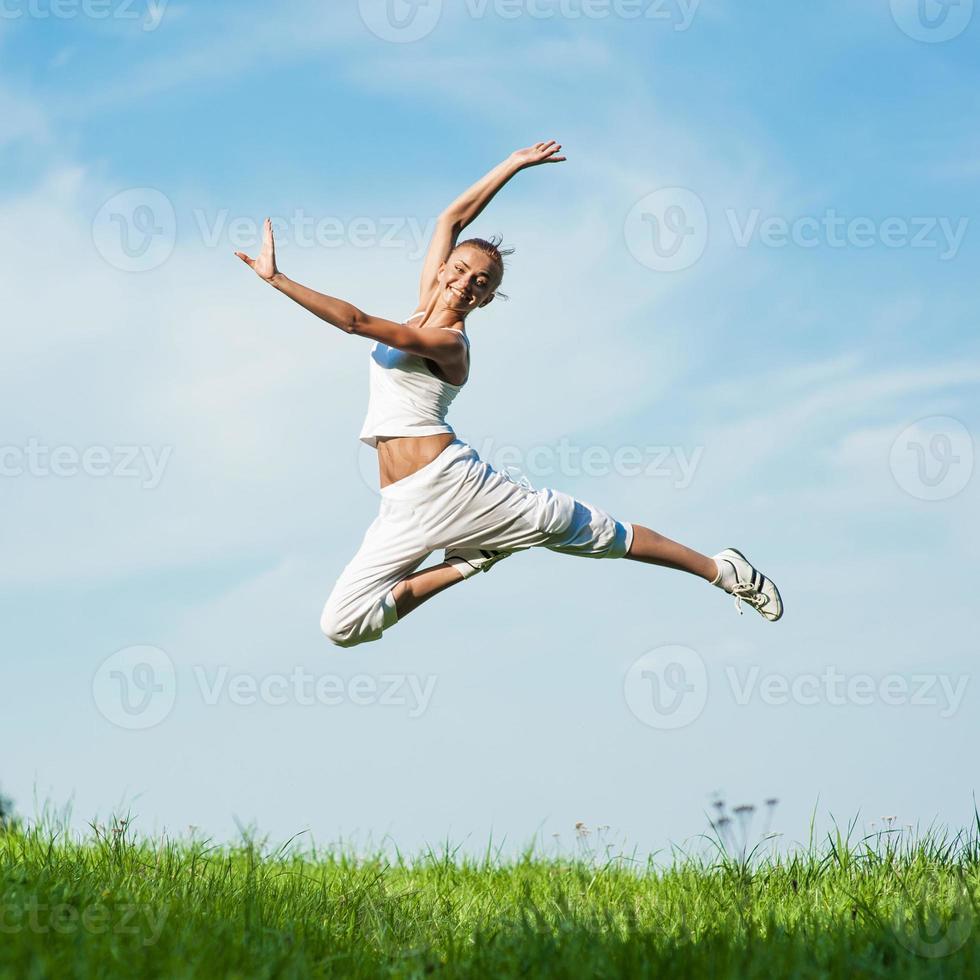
x=803 y=391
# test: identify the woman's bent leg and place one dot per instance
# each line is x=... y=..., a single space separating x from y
x=362 y=605
x=414 y=589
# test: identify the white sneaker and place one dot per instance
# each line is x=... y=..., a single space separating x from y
x=739 y=578
x=469 y=561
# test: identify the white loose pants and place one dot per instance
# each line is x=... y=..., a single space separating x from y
x=457 y=501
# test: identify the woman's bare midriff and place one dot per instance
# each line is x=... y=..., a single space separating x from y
x=401 y=456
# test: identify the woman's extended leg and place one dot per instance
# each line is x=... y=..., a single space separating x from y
x=594 y=533
x=647 y=546
x=654 y=549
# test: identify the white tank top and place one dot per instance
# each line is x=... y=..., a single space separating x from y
x=406 y=398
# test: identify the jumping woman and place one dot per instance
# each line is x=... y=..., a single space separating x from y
x=436 y=492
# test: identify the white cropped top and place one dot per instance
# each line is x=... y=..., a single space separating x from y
x=406 y=398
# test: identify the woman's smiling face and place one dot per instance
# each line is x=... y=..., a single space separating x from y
x=468 y=278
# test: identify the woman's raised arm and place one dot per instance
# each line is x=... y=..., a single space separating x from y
x=442 y=346
x=471 y=203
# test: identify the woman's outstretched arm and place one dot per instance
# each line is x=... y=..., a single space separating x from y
x=465 y=209
x=442 y=346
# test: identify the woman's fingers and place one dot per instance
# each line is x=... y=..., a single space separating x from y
x=542 y=146
x=246 y=259
x=553 y=148
x=542 y=152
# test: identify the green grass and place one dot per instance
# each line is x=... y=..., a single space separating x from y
x=114 y=905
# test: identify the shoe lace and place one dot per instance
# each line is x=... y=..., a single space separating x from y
x=746 y=592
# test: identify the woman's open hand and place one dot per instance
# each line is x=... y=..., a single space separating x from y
x=545 y=152
x=265 y=264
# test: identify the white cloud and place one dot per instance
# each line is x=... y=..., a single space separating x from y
x=776 y=428
x=194 y=356
x=202 y=45
x=22 y=119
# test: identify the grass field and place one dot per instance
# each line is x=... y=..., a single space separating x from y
x=114 y=905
